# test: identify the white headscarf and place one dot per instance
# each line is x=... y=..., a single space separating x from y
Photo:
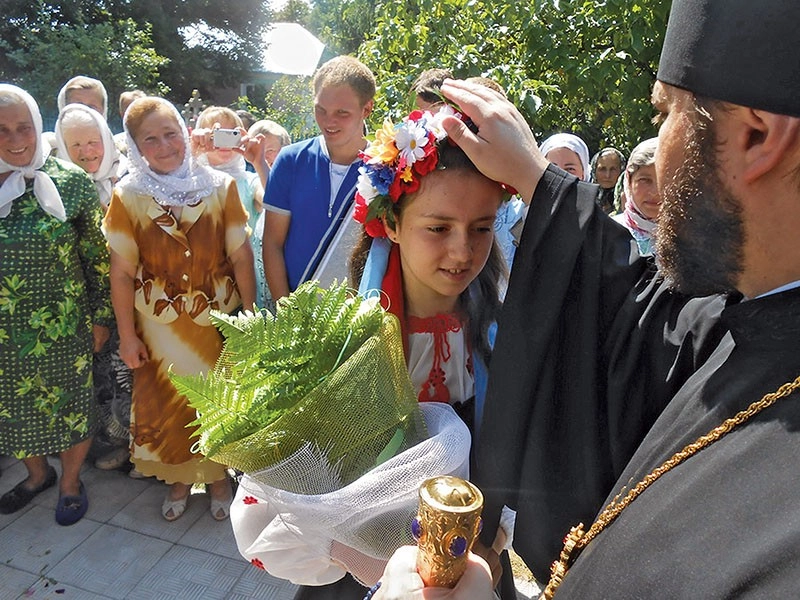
x=187 y=185
x=62 y=93
x=571 y=142
x=113 y=163
x=44 y=189
x=235 y=167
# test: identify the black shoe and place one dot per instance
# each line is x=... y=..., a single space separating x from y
x=20 y=496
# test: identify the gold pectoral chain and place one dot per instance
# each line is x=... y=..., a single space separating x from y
x=577 y=538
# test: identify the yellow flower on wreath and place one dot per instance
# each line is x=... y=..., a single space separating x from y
x=383 y=149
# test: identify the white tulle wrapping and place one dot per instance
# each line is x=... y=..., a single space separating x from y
x=291 y=535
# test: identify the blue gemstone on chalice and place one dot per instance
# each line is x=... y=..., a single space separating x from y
x=416 y=528
x=458 y=546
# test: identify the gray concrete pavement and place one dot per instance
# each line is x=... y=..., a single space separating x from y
x=123 y=548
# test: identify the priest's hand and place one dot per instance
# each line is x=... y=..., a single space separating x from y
x=401 y=581
x=504 y=148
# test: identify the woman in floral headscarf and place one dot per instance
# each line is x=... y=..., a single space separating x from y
x=642 y=199
x=179 y=248
x=54 y=309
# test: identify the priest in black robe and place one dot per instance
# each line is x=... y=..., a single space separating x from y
x=607 y=365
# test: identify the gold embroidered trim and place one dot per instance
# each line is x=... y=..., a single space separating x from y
x=577 y=539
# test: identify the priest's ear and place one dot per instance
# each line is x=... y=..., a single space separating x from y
x=768 y=142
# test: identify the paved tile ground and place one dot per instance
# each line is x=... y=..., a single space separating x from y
x=123 y=548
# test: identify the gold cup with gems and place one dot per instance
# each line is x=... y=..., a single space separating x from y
x=446 y=526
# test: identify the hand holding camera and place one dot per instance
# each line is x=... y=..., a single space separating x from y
x=226 y=138
x=207 y=139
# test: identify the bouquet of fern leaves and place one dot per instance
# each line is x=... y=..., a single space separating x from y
x=321 y=383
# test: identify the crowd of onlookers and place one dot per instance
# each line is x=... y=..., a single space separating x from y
x=120 y=245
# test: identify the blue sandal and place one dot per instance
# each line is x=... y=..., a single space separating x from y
x=70 y=509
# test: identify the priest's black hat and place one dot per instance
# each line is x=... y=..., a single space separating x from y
x=742 y=51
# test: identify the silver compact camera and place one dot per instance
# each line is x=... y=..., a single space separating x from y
x=226 y=138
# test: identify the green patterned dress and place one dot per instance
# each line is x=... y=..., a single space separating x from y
x=53 y=287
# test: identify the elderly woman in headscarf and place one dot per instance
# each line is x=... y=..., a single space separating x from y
x=54 y=308
x=642 y=199
x=568 y=152
x=84 y=90
x=606 y=167
x=179 y=247
x=84 y=138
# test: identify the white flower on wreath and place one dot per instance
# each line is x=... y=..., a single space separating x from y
x=365 y=187
x=434 y=121
x=411 y=140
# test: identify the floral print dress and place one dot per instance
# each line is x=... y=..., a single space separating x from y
x=53 y=288
x=183 y=272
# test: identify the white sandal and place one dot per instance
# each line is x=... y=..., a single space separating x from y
x=173 y=509
x=221 y=509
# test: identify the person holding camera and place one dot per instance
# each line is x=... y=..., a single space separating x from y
x=179 y=248
x=221 y=142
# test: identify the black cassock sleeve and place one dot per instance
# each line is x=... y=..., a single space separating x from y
x=586 y=324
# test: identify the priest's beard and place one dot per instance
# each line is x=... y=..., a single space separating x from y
x=700 y=232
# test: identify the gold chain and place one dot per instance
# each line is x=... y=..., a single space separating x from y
x=577 y=539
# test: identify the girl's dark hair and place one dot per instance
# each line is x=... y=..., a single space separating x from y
x=481 y=300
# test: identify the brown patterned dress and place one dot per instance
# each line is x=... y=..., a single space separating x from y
x=182 y=273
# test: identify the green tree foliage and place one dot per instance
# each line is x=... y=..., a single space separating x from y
x=342 y=24
x=119 y=54
x=290 y=102
x=294 y=11
x=585 y=66
x=45 y=42
x=226 y=45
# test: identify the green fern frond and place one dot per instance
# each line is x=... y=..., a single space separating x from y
x=271 y=362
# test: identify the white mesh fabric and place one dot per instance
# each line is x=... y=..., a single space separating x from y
x=290 y=535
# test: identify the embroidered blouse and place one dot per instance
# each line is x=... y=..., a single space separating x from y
x=439 y=360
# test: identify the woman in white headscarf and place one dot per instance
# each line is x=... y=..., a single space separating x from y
x=54 y=308
x=179 y=248
x=84 y=138
x=569 y=152
x=84 y=90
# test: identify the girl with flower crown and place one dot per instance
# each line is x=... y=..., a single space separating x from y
x=429 y=250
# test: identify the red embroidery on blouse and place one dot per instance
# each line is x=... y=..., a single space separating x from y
x=250 y=500
x=257 y=564
x=435 y=389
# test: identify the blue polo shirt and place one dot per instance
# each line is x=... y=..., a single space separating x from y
x=300 y=186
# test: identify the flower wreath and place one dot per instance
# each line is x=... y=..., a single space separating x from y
x=395 y=162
